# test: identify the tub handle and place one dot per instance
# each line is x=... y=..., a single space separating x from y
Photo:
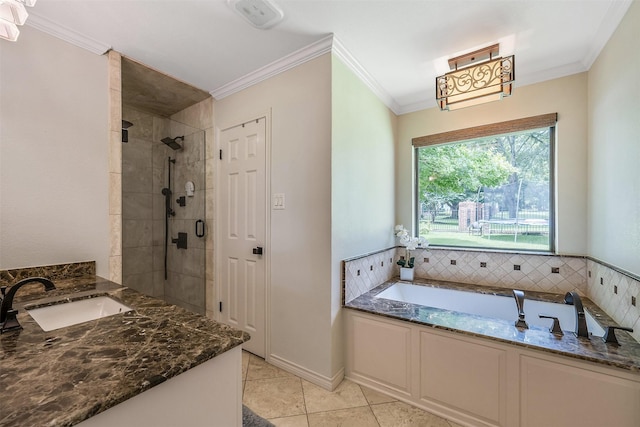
x=610 y=334
x=555 y=328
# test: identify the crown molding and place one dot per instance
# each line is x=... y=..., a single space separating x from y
x=327 y=44
x=613 y=17
x=416 y=106
x=283 y=64
x=66 y=34
x=352 y=63
x=332 y=44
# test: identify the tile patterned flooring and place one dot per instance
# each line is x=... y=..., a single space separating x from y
x=289 y=401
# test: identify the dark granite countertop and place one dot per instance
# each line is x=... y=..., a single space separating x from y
x=626 y=356
x=62 y=377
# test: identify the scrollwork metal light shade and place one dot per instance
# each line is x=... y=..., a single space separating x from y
x=476 y=84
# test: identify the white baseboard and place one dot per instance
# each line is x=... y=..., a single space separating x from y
x=328 y=383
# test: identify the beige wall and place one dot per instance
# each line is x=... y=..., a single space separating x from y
x=363 y=132
x=566 y=96
x=54 y=153
x=332 y=148
x=614 y=148
x=299 y=250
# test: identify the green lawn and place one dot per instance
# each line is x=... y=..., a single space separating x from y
x=533 y=242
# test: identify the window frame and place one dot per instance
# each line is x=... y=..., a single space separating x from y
x=495 y=129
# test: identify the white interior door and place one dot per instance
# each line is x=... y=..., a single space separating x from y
x=242 y=231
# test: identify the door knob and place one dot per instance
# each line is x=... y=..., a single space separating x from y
x=257 y=250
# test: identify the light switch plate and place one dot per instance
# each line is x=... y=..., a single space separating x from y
x=278 y=201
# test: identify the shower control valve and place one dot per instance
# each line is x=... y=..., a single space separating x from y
x=181 y=241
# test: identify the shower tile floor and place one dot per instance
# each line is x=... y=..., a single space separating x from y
x=289 y=401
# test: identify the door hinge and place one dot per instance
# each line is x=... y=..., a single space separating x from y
x=220 y=154
x=220 y=306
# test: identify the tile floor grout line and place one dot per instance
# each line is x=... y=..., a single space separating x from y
x=369 y=405
x=275 y=373
x=304 y=401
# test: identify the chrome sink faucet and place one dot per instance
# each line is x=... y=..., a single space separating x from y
x=8 y=320
x=573 y=298
x=519 y=296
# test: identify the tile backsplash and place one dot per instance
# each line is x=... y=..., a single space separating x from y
x=617 y=293
x=58 y=273
x=53 y=272
x=364 y=273
x=546 y=273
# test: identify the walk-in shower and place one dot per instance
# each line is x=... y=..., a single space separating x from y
x=163 y=204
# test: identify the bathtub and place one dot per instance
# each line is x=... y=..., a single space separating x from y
x=494 y=306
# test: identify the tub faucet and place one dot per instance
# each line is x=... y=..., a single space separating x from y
x=8 y=320
x=519 y=296
x=573 y=298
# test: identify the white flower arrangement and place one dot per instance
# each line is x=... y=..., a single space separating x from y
x=410 y=243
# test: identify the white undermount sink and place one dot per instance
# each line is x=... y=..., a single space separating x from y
x=71 y=313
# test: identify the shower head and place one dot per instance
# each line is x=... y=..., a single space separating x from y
x=125 y=133
x=172 y=142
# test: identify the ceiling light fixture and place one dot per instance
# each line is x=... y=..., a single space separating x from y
x=261 y=14
x=12 y=14
x=477 y=77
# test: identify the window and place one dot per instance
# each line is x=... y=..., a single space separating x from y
x=488 y=187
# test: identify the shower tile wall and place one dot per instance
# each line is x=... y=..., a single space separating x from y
x=186 y=283
x=144 y=170
x=115 y=167
x=193 y=271
x=138 y=233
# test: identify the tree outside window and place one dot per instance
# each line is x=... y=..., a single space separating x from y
x=491 y=192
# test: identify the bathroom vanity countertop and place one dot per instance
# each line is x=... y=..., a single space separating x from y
x=626 y=356
x=62 y=377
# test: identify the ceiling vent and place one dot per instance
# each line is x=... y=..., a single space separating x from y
x=261 y=14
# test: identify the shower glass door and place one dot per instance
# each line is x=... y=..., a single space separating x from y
x=163 y=212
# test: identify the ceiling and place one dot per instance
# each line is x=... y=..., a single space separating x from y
x=397 y=47
x=148 y=90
